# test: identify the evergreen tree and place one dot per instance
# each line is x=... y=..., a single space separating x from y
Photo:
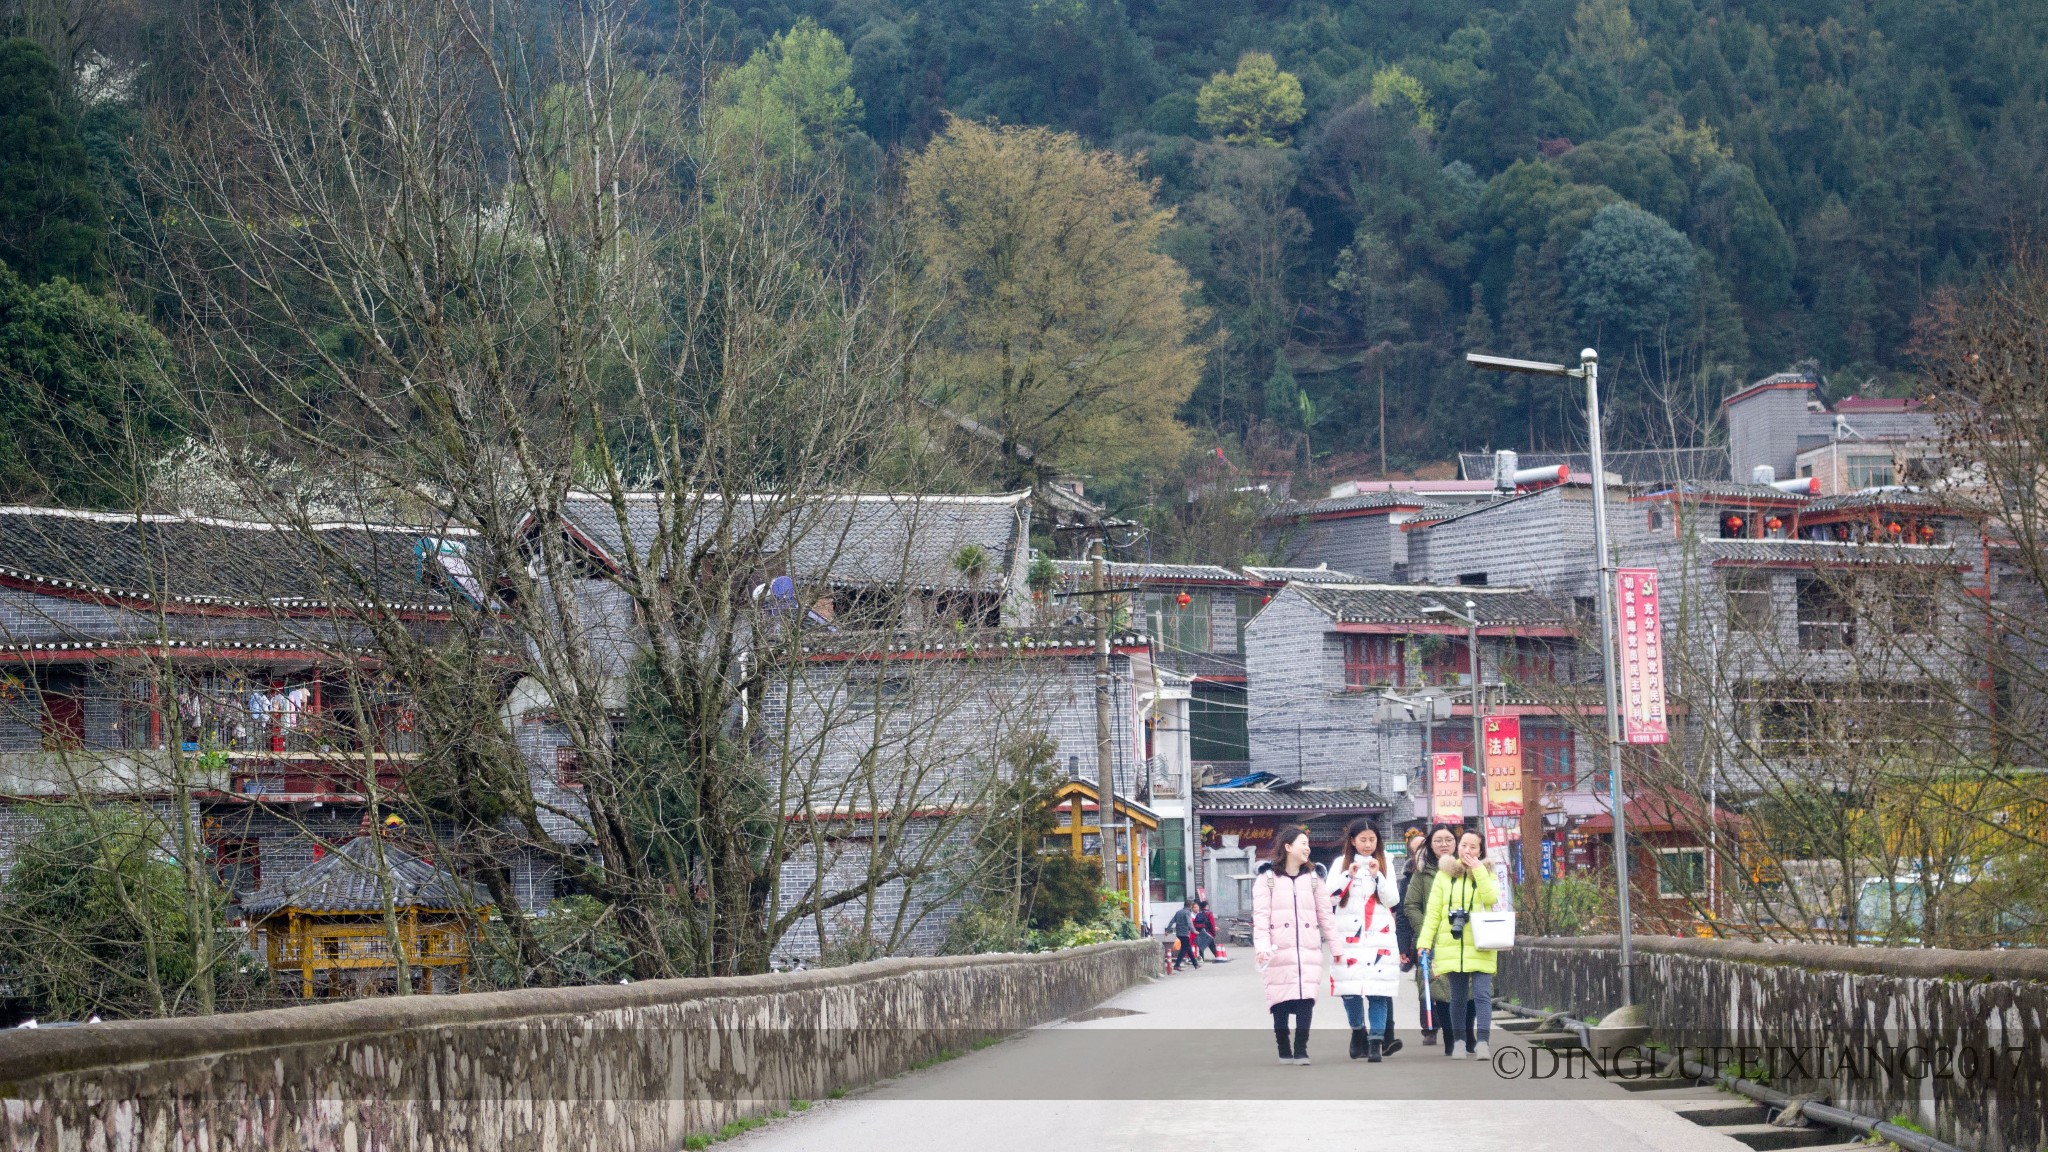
x=51 y=219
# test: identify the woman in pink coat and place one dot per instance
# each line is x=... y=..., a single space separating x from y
x=1290 y=921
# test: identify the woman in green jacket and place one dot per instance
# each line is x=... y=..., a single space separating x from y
x=1463 y=886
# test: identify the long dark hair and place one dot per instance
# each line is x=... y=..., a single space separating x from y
x=1281 y=840
x=1351 y=831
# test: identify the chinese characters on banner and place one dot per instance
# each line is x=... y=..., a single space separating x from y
x=1497 y=829
x=1642 y=656
x=1447 y=787
x=1503 y=765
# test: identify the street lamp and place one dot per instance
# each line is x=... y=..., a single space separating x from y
x=1426 y=707
x=1589 y=371
x=1470 y=619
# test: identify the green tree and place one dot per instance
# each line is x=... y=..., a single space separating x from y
x=85 y=403
x=1257 y=104
x=1283 y=396
x=52 y=222
x=1630 y=274
x=793 y=94
x=1391 y=86
x=1057 y=324
x=93 y=919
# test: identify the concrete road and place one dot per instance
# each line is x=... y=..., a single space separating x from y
x=1188 y=1061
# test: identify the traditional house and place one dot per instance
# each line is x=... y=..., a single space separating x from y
x=1324 y=655
x=1358 y=533
x=1238 y=826
x=1195 y=616
x=144 y=657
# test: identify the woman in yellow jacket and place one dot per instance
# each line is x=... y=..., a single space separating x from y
x=1463 y=886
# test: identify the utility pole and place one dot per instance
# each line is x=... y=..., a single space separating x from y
x=1105 y=758
x=1589 y=371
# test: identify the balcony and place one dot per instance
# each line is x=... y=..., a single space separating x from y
x=293 y=776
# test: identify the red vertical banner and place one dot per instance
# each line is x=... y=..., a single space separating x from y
x=1641 y=637
x=1503 y=765
x=1447 y=787
x=1498 y=833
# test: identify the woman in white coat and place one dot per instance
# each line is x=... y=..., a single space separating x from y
x=1366 y=955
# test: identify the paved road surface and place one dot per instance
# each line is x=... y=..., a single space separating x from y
x=1188 y=1062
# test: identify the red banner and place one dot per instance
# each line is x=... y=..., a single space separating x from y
x=1503 y=765
x=1642 y=655
x=1447 y=788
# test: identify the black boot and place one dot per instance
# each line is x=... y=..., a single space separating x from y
x=1357 y=1043
x=1391 y=1045
x=1372 y=1050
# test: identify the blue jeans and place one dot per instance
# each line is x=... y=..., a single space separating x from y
x=1478 y=987
x=1381 y=1007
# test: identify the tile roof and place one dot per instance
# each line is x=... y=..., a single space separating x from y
x=886 y=540
x=1301 y=799
x=1731 y=488
x=1827 y=553
x=1403 y=604
x=1321 y=574
x=1363 y=502
x=347 y=880
x=200 y=561
x=1119 y=571
x=963 y=642
x=1874 y=498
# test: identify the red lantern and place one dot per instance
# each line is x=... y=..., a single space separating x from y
x=1733 y=523
x=1266 y=599
x=1774 y=523
x=1893 y=528
x=1183 y=599
x=1927 y=531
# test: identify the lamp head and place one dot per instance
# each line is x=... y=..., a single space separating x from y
x=1588 y=356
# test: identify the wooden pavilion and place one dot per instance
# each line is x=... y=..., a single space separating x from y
x=1079 y=832
x=326 y=924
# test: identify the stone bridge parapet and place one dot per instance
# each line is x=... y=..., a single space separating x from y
x=1956 y=1042
x=621 y=1068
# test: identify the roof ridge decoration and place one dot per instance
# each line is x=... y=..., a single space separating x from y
x=642 y=496
x=88 y=514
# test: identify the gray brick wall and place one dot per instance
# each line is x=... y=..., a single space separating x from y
x=1765 y=429
x=1366 y=546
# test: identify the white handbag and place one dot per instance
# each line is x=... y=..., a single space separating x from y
x=1493 y=931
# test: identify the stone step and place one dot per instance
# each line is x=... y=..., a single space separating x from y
x=1765 y=1137
x=1517 y=1024
x=1725 y=1111
x=1649 y=1085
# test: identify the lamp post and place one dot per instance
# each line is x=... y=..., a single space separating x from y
x=1470 y=619
x=1427 y=706
x=1589 y=371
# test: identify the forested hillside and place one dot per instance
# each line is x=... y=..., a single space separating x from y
x=1708 y=191
x=1360 y=191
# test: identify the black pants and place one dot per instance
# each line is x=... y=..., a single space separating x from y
x=1300 y=1010
x=1188 y=955
x=1442 y=1010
